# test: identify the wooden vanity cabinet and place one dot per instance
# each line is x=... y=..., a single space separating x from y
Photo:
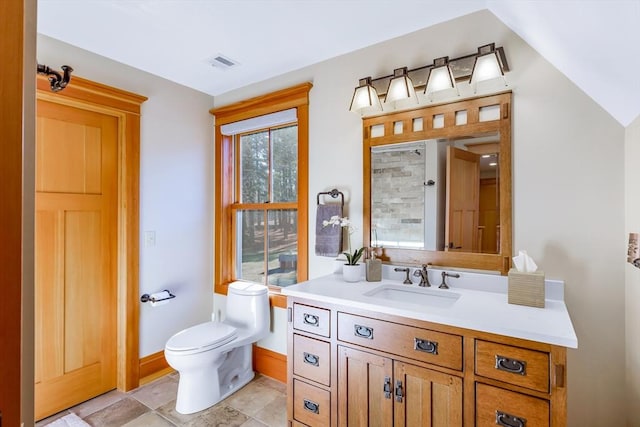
x=351 y=367
x=382 y=392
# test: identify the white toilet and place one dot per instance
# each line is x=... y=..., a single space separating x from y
x=214 y=358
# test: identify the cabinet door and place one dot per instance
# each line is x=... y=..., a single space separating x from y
x=363 y=379
x=427 y=398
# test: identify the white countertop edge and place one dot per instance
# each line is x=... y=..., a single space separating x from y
x=475 y=310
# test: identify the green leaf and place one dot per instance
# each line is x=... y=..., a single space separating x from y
x=353 y=258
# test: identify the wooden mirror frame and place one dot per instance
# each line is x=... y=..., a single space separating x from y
x=474 y=126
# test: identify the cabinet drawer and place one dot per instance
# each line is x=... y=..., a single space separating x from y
x=311 y=405
x=513 y=365
x=311 y=319
x=495 y=406
x=311 y=359
x=425 y=345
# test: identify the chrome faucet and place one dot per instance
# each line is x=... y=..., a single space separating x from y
x=407 y=281
x=444 y=285
x=423 y=275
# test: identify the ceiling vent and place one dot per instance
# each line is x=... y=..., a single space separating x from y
x=222 y=62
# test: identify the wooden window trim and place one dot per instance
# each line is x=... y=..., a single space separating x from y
x=293 y=97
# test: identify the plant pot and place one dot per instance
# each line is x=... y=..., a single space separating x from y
x=352 y=273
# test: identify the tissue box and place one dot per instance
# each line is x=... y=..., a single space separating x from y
x=526 y=288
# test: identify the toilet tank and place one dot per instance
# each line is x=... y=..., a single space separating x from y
x=248 y=307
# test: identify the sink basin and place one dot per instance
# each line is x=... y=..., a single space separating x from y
x=413 y=295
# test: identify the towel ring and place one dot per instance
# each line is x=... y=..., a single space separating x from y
x=333 y=193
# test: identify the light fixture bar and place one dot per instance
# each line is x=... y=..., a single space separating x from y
x=399 y=85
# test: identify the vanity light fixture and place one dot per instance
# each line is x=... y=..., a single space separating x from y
x=487 y=63
x=400 y=86
x=440 y=77
x=365 y=97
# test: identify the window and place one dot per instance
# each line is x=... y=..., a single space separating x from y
x=266 y=217
x=261 y=200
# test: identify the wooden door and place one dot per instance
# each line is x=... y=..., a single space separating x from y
x=75 y=245
x=463 y=183
x=489 y=215
x=430 y=398
x=361 y=389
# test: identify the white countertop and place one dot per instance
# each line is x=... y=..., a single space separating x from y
x=484 y=308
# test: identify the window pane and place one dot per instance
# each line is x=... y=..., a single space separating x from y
x=254 y=171
x=250 y=245
x=282 y=250
x=285 y=164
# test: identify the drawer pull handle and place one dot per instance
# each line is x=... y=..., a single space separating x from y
x=506 y=420
x=311 y=319
x=387 y=387
x=512 y=366
x=311 y=406
x=399 y=394
x=425 y=345
x=311 y=359
x=363 y=332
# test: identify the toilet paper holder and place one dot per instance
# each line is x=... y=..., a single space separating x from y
x=156 y=298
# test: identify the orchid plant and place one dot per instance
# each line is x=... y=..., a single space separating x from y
x=352 y=257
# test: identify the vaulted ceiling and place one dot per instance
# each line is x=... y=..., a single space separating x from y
x=595 y=43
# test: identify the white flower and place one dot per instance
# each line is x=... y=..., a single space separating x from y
x=344 y=222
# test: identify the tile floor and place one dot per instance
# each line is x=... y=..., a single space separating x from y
x=260 y=403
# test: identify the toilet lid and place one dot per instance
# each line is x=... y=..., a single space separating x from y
x=204 y=335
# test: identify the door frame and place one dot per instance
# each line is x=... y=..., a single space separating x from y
x=125 y=107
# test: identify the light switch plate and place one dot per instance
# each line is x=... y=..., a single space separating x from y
x=149 y=238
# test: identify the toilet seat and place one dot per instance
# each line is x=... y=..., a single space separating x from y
x=202 y=337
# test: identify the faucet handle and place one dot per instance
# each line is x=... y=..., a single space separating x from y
x=444 y=285
x=407 y=281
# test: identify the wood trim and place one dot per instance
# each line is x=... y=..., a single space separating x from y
x=293 y=97
x=270 y=363
x=87 y=91
x=16 y=112
x=284 y=99
x=153 y=366
x=496 y=262
x=82 y=93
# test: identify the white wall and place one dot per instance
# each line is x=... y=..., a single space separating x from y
x=176 y=189
x=567 y=184
x=632 y=274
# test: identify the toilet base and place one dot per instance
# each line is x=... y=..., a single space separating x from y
x=188 y=403
x=200 y=389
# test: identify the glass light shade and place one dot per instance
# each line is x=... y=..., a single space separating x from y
x=400 y=87
x=440 y=78
x=365 y=97
x=486 y=67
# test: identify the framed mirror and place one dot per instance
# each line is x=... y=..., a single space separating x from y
x=437 y=184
